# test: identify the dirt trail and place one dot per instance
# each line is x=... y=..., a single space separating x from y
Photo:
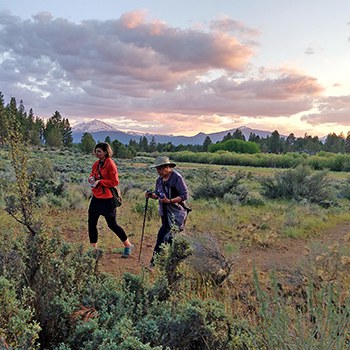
x=113 y=262
x=284 y=256
x=290 y=252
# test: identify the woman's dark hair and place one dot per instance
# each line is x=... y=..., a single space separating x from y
x=105 y=148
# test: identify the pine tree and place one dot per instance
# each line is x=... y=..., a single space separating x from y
x=87 y=143
x=67 y=137
x=2 y=119
x=58 y=131
x=274 y=142
x=206 y=144
x=143 y=144
x=152 y=147
x=347 y=143
x=335 y=143
x=238 y=135
x=290 y=143
x=227 y=137
x=134 y=146
x=254 y=138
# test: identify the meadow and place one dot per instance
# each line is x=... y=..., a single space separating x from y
x=262 y=264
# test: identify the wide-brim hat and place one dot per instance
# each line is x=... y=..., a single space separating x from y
x=162 y=160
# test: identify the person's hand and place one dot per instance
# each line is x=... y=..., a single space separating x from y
x=96 y=183
x=149 y=194
x=165 y=200
x=93 y=185
x=91 y=181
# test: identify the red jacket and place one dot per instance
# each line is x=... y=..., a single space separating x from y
x=108 y=176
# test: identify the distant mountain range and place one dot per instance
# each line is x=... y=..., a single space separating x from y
x=100 y=130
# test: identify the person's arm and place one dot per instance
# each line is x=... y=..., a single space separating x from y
x=174 y=200
x=112 y=178
x=92 y=178
x=181 y=189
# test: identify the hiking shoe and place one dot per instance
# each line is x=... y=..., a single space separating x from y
x=127 y=251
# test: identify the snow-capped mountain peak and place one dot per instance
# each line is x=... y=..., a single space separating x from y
x=93 y=126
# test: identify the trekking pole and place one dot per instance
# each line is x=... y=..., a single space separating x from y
x=143 y=228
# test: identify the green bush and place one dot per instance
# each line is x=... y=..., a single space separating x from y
x=344 y=189
x=208 y=188
x=237 y=146
x=197 y=325
x=298 y=184
x=18 y=327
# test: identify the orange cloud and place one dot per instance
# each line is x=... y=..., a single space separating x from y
x=133 y=19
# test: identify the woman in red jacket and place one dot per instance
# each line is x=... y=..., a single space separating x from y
x=104 y=174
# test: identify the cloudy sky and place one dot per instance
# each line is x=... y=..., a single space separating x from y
x=182 y=66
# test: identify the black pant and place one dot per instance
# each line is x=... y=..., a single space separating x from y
x=105 y=208
x=163 y=235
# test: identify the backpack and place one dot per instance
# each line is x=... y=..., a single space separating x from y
x=117 y=196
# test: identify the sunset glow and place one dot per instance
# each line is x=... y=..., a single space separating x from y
x=184 y=68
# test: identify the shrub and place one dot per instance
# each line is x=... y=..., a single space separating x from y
x=298 y=184
x=344 y=191
x=208 y=259
x=197 y=325
x=18 y=327
x=207 y=188
x=237 y=146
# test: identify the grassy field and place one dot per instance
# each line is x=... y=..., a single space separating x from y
x=65 y=191
x=248 y=234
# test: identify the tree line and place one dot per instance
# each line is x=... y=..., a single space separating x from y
x=275 y=143
x=56 y=132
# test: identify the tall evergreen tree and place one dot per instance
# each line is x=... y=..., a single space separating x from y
x=238 y=135
x=143 y=144
x=52 y=132
x=134 y=146
x=152 y=147
x=206 y=144
x=254 y=138
x=87 y=143
x=12 y=116
x=335 y=143
x=24 y=127
x=347 y=143
x=2 y=119
x=312 y=144
x=58 y=131
x=227 y=137
x=290 y=143
x=274 y=142
x=40 y=127
x=120 y=150
x=67 y=137
x=33 y=136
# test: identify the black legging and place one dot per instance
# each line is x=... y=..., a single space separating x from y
x=105 y=208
